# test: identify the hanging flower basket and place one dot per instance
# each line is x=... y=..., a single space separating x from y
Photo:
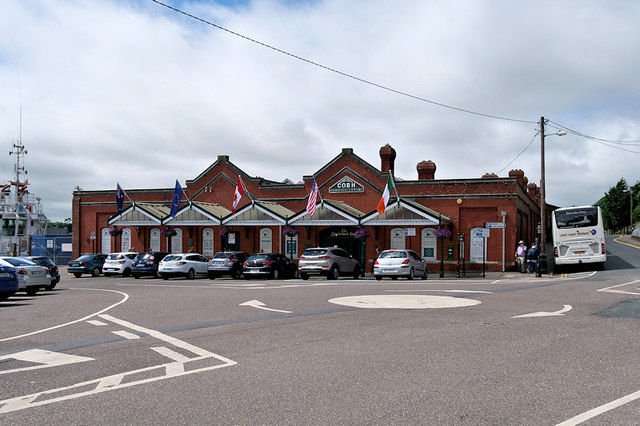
x=224 y=231
x=443 y=233
x=362 y=233
x=290 y=231
x=168 y=232
x=115 y=232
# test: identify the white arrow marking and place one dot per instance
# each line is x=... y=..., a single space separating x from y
x=561 y=312
x=258 y=304
x=42 y=359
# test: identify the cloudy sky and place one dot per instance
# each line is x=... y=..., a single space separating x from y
x=131 y=91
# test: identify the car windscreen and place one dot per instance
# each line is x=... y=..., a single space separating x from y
x=259 y=257
x=576 y=218
x=172 y=258
x=18 y=262
x=315 y=252
x=392 y=254
x=222 y=255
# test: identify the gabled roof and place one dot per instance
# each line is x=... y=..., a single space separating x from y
x=198 y=214
x=259 y=213
x=329 y=212
x=405 y=212
x=140 y=214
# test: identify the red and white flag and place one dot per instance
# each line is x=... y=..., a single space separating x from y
x=313 y=198
x=238 y=194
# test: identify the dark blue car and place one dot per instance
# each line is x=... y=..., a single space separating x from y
x=87 y=264
x=146 y=264
x=8 y=282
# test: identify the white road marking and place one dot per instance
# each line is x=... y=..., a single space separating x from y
x=97 y=323
x=117 y=381
x=126 y=296
x=259 y=305
x=580 y=418
x=42 y=358
x=171 y=354
x=445 y=291
x=403 y=301
x=610 y=289
x=126 y=334
x=561 y=312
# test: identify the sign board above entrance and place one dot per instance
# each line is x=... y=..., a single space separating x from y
x=346 y=184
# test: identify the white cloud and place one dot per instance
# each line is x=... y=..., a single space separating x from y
x=133 y=92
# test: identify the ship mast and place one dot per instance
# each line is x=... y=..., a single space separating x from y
x=20 y=187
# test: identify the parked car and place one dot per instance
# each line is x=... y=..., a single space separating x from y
x=270 y=265
x=86 y=264
x=183 y=265
x=49 y=264
x=399 y=263
x=331 y=262
x=227 y=263
x=146 y=264
x=31 y=277
x=8 y=282
x=119 y=263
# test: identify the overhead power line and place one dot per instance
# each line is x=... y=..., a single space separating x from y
x=344 y=74
x=610 y=143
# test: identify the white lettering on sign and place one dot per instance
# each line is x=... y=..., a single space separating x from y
x=346 y=184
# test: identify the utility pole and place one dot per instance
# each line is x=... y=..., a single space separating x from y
x=543 y=203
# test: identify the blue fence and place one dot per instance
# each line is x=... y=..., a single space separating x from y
x=56 y=247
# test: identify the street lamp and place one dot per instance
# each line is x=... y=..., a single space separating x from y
x=543 y=203
x=630 y=191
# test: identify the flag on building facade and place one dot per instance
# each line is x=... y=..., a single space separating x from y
x=313 y=198
x=119 y=197
x=238 y=194
x=382 y=205
x=175 y=202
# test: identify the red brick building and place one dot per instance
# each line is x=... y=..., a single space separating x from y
x=349 y=192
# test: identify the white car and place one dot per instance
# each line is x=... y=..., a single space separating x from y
x=31 y=277
x=183 y=265
x=399 y=263
x=119 y=263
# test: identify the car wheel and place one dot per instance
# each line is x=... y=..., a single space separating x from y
x=191 y=274
x=107 y=274
x=165 y=277
x=275 y=274
x=77 y=274
x=237 y=274
x=126 y=272
x=95 y=272
x=31 y=290
x=304 y=276
x=136 y=276
x=378 y=278
x=424 y=274
x=411 y=274
x=394 y=278
x=51 y=286
x=356 y=272
x=212 y=275
x=334 y=273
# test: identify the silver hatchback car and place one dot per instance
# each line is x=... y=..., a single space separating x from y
x=399 y=263
x=331 y=262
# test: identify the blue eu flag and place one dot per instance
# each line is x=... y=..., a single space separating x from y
x=175 y=203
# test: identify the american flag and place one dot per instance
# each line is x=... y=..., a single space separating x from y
x=313 y=198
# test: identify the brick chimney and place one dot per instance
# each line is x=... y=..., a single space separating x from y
x=388 y=157
x=426 y=170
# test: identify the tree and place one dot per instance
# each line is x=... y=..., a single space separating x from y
x=616 y=206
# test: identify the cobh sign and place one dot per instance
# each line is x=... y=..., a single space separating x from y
x=346 y=184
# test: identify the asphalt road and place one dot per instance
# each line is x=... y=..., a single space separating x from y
x=510 y=349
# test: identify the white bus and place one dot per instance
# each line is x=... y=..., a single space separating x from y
x=578 y=235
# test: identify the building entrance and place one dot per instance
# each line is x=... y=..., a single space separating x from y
x=342 y=236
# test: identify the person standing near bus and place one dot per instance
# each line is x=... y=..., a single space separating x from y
x=521 y=253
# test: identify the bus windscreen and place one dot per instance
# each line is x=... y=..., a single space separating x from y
x=577 y=218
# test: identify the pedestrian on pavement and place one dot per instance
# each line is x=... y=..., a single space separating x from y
x=521 y=254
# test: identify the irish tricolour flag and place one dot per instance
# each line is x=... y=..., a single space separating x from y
x=382 y=205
